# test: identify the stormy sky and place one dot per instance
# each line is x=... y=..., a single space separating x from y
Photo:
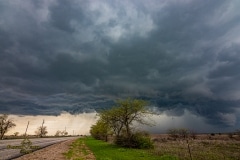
x=62 y=56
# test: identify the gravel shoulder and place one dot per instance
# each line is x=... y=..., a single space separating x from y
x=53 y=152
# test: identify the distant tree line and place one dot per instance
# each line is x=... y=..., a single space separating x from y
x=6 y=124
x=61 y=133
x=181 y=133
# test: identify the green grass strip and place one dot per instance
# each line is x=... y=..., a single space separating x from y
x=77 y=151
x=106 y=151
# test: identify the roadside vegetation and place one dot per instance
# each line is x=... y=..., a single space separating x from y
x=116 y=126
x=105 y=151
x=118 y=122
x=204 y=146
x=79 y=151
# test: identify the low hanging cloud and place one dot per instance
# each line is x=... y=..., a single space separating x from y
x=80 y=56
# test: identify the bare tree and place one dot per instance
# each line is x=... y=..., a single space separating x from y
x=5 y=125
x=183 y=133
x=58 y=133
x=41 y=131
x=193 y=134
x=173 y=132
x=64 y=133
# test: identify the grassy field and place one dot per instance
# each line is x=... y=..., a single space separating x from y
x=106 y=151
x=203 y=148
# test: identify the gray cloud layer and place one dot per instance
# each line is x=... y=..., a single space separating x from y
x=75 y=56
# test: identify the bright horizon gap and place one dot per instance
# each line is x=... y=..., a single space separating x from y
x=74 y=124
x=79 y=124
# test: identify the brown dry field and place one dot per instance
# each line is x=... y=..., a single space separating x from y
x=203 y=147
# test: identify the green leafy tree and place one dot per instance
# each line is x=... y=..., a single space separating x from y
x=5 y=125
x=130 y=111
x=120 y=121
x=100 y=130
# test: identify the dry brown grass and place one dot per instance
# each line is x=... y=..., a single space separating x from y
x=204 y=147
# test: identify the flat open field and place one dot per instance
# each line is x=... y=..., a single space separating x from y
x=204 y=146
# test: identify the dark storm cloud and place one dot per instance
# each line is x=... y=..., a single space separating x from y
x=224 y=78
x=77 y=56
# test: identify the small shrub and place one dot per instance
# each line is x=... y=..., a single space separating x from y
x=230 y=135
x=139 y=140
x=142 y=140
x=212 y=134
